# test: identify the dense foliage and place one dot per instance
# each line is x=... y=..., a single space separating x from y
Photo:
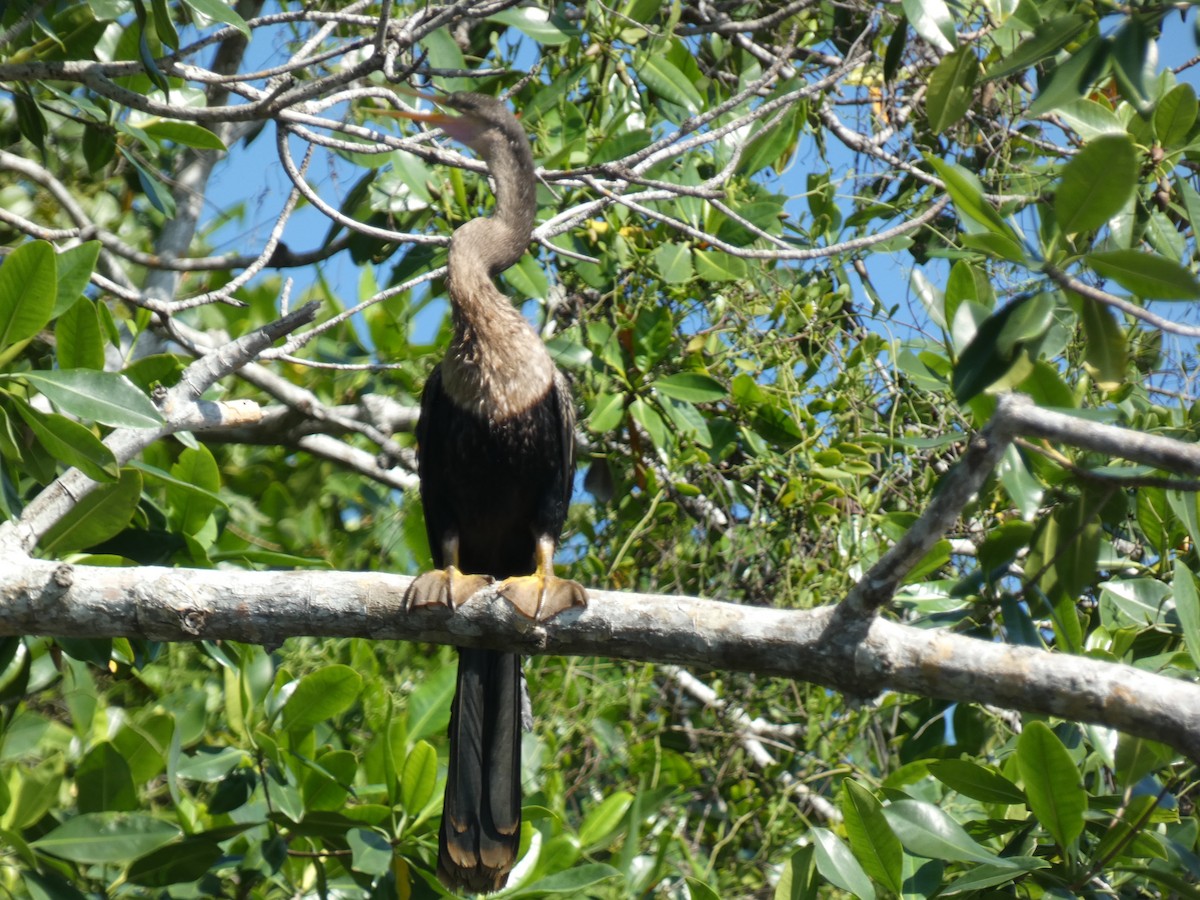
x=789 y=254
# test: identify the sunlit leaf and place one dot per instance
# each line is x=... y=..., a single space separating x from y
x=28 y=288
x=1146 y=274
x=1052 y=783
x=106 y=837
x=1096 y=184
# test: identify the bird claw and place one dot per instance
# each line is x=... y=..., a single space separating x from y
x=539 y=598
x=443 y=587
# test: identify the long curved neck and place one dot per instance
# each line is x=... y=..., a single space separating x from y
x=496 y=364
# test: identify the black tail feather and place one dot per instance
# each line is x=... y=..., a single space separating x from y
x=481 y=819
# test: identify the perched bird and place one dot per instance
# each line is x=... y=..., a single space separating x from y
x=496 y=461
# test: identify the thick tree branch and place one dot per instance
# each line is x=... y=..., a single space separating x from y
x=856 y=657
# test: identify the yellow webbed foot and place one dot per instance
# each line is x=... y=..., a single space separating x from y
x=444 y=587
x=541 y=598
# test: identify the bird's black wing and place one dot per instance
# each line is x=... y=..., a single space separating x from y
x=433 y=486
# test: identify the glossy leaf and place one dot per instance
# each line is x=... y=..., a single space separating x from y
x=103 y=781
x=1047 y=39
x=666 y=80
x=74 y=268
x=370 y=851
x=1105 y=349
x=674 y=263
x=321 y=695
x=79 y=344
x=950 y=89
x=694 y=387
x=187 y=134
x=106 y=397
x=932 y=20
x=871 y=838
x=70 y=443
x=966 y=191
x=418 y=778
x=603 y=819
x=1175 y=115
x=837 y=865
x=28 y=288
x=546 y=28
x=975 y=781
x=190 y=509
x=176 y=863
x=573 y=880
x=1096 y=184
x=220 y=12
x=1146 y=274
x=1052 y=783
x=925 y=830
x=1187 y=607
x=106 y=837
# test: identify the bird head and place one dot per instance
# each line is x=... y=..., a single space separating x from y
x=477 y=120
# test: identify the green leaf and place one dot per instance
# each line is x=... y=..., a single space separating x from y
x=717 y=266
x=966 y=191
x=370 y=851
x=176 y=863
x=602 y=820
x=666 y=80
x=102 y=514
x=1146 y=274
x=975 y=781
x=674 y=262
x=1187 y=606
x=152 y=186
x=607 y=413
x=1048 y=38
x=105 y=838
x=997 y=245
x=572 y=881
x=429 y=705
x=1175 y=115
x=647 y=416
x=1028 y=321
x=694 y=387
x=1105 y=349
x=70 y=443
x=75 y=267
x=547 y=28
x=925 y=830
x=1070 y=80
x=321 y=695
x=78 y=342
x=187 y=134
x=1052 y=783
x=1138 y=757
x=1096 y=184
x=999 y=343
x=838 y=865
x=798 y=880
x=222 y=12
x=28 y=287
x=871 y=838
x=191 y=508
x=951 y=87
x=106 y=397
x=419 y=777
x=103 y=781
x=931 y=19
x=982 y=876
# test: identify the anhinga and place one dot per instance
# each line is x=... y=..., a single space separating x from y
x=496 y=460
